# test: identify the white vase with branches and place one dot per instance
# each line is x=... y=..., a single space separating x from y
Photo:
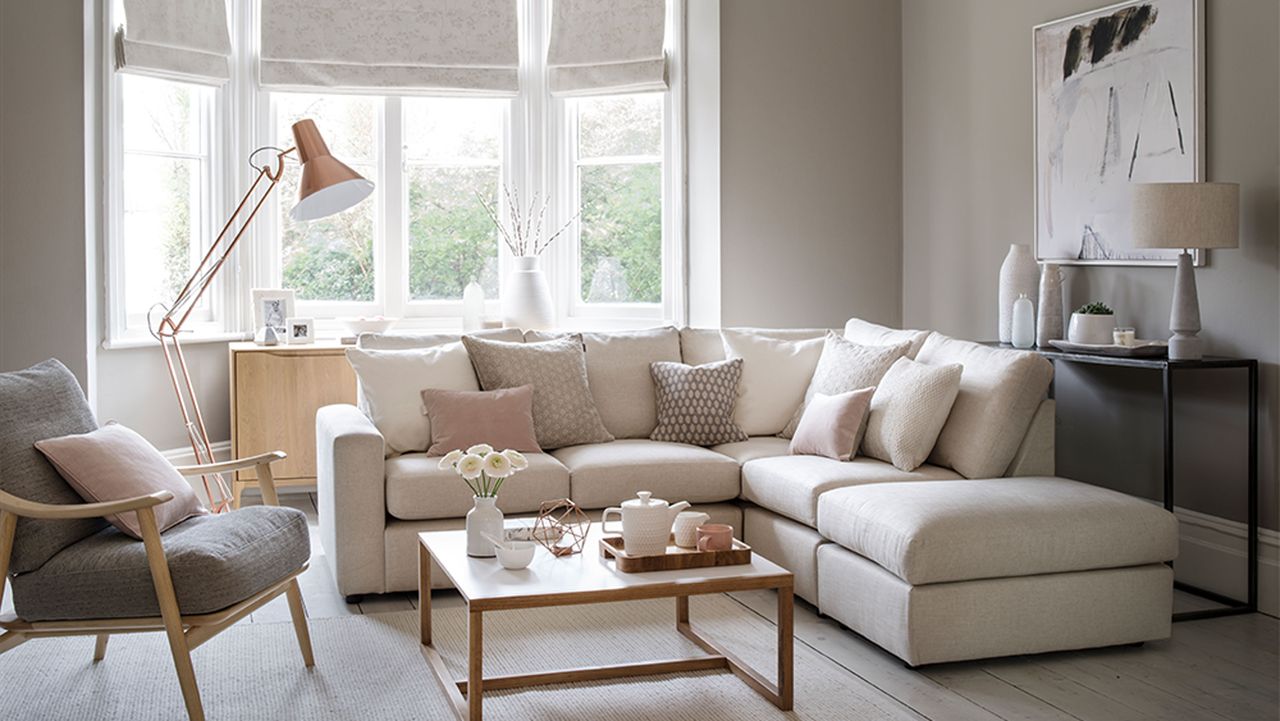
x=526 y=299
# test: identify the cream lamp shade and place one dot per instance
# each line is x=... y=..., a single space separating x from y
x=328 y=186
x=1186 y=215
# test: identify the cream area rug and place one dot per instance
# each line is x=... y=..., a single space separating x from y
x=369 y=667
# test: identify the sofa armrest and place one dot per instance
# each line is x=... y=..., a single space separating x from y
x=1035 y=456
x=351 y=495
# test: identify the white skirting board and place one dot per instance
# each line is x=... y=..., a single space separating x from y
x=1213 y=553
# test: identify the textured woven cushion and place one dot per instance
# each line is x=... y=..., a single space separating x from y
x=775 y=374
x=861 y=331
x=908 y=410
x=606 y=475
x=215 y=562
x=695 y=403
x=417 y=489
x=43 y=401
x=1000 y=390
x=461 y=419
x=847 y=366
x=564 y=413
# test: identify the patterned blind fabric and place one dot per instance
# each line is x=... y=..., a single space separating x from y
x=176 y=39
x=602 y=47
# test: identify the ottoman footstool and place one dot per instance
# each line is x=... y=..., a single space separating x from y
x=942 y=571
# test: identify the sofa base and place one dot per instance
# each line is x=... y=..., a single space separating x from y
x=963 y=620
x=788 y=543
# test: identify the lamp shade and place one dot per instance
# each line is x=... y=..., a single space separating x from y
x=1186 y=215
x=328 y=186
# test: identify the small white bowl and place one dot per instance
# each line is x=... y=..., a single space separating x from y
x=516 y=555
x=368 y=325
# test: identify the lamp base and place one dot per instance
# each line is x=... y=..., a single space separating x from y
x=1184 y=318
x=1186 y=346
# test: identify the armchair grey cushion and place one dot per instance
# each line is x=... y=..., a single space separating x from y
x=44 y=401
x=215 y=562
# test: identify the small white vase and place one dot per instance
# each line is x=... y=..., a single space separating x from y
x=1023 y=332
x=526 y=301
x=472 y=307
x=483 y=518
x=1091 y=329
x=1018 y=275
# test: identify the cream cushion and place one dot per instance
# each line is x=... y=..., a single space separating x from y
x=753 y=448
x=406 y=341
x=908 y=411
x=704 y=345
x=775 y=375
x=391 y=383
x=603 y=475
x=791 y=485
x=846 y=366
x=866 y=333
x=964 y=530
x=1000 y=390
x=417 y=489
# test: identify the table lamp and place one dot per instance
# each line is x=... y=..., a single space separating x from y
x=1185 y=216
x=327 y=187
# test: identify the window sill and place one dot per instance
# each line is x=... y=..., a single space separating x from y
x=146 y=341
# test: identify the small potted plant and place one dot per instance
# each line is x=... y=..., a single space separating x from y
x=1092 y=324
x=484 y=470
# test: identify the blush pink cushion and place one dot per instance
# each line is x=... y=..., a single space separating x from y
x=461 y=419
x=830 y=424
x=114 y=463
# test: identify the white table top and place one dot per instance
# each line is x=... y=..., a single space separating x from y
x=585 y=577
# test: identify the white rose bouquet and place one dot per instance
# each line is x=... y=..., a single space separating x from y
x=484 y=469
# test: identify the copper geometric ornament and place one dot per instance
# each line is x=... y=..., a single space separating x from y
x=561 y=527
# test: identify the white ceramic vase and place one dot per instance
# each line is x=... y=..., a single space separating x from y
x=472 y=307
x=1049 y=323
x=483 y=518
x=1018 y=275
x=1024 y=323
x=526 y=301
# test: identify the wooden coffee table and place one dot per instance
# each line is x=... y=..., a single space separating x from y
x=588 y=578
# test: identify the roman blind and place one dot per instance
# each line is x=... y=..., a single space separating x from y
x=463 y=46
x=607 y=46
x=178 y=39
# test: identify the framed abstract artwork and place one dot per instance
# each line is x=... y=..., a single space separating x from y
x=1119 y=99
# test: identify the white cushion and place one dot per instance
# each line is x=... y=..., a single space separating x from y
x=775 y=374
x=966 y=530
x=391 y=382
x=1000 y=390
x=417 y=489
x=908 y=411
x=699 y=346
x=405 y=341
x=605 y=474
x=866 y=333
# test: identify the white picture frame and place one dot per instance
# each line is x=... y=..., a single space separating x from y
x=272 y=304
x=300 y=331
x=1100 y=127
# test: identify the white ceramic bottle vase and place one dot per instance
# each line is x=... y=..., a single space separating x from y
x=1049 y=325
x=526 y=301
x=483 y=519
x=1018 y=275
x=1023 y=330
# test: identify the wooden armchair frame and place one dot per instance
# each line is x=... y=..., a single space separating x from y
x=184 y=632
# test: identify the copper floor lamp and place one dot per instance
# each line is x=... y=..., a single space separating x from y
x=327 y=187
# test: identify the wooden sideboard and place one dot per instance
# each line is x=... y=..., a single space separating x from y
x=275 y=393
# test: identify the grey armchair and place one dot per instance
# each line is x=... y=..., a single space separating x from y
x=74 y=574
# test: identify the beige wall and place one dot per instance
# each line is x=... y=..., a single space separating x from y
x=967 y=190
x=810 y=184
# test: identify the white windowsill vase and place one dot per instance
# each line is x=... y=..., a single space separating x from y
x=526 y=301
x=483 y=519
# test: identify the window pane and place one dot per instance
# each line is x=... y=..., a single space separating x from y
x=621 y=233
x=620 y=125
x=447 y=129
x=451 y=239
x=161 y=219
x=162 y=115
x=330 y=259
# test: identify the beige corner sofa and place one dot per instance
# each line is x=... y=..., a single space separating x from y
x=980 y=552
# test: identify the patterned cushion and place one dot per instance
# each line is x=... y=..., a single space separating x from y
x=695 y=403
x=564 y=413
x=846 y=366
x=43 y=401
x=908 y=410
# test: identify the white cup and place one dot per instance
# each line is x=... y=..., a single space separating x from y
x=685 y=528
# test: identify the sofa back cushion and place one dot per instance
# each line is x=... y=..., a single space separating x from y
x=867 y=333
x=775 y=374
x=391 y=383
x=406 y=341
x=705 y=345
x=1000 y=390
x=43 y=401
x=618 y=373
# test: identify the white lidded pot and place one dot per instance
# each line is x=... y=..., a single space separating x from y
x=646 y=523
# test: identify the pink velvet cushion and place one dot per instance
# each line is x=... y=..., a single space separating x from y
x=461 y=419
x=114 y=463
x=830 y=424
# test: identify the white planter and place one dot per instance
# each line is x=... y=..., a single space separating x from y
x=526 y=301
x=1019 y=275
x=1091 y=329
x=483 y=518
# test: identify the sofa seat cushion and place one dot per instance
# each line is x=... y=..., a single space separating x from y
x=418 y=489
x=791 y=485
x=215 y=562
x=755 y=447
x=971 y=529
x=605 y=474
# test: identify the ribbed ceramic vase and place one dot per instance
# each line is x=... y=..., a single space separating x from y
x=1049 y=325
x=526 y=301
x=484 y=518
x=1018 y=275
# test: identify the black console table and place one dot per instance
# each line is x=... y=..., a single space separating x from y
x=1167 y=369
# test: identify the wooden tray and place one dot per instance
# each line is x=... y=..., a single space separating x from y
x=675 y=558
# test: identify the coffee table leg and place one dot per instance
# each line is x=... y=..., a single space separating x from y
x=786 y=640
x=475 y=665
x=424 y=594
x=682 y=609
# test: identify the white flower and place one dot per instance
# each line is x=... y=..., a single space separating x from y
x=470 y=466
x=518 y=461
x=450 y=459
x=497 y=465
x=480 y=449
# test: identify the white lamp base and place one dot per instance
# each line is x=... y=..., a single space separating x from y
x=1184 y=319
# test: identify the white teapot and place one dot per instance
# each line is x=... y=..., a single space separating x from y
x=646 y=523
